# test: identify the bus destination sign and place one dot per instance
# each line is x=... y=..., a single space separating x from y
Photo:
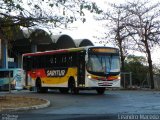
x=104 y=50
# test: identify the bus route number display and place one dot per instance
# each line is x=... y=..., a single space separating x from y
x=104 y=50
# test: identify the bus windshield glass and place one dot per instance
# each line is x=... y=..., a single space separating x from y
x=106 y=63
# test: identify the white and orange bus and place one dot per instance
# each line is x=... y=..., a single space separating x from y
x=73 y=69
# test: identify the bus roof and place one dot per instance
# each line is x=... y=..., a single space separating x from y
x=55 y=51
x=63 y=50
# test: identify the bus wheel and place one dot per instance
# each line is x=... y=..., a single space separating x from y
x=64 y=90
x=100 y=91
x=39 y=88
x=72 y=87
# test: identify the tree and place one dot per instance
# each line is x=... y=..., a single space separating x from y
x=43 y=13
x=146 y=24
x=156 y=69
x=116 y=19
x=136 y=65
x=116 y=33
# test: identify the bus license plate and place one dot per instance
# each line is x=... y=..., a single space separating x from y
x=105 y=83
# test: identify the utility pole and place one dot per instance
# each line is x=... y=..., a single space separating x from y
x=130 y=77
x=9 y=82
x=5 y=54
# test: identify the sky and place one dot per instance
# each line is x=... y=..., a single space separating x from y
x=91 y=27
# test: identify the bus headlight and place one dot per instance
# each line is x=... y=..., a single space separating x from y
x=89 y=76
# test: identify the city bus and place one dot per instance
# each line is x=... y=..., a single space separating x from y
x=73 y=69
x=13 y=77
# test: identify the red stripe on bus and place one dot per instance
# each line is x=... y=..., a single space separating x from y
x=45 y=53
x=37 y=73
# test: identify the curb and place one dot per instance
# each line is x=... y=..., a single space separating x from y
x=28 y=108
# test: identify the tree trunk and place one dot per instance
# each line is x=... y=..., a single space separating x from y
x=150 y=64
x=122 y=64
x=122 y=60
x=150 y=69
x=121 y=55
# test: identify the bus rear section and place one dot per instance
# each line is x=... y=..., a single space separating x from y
x=73 y=69
x=54 y=70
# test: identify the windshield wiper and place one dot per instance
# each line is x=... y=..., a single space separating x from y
x=109 y=67
x=110 y=62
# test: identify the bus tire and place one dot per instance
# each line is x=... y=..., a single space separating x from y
x=39 y=88
x=64 y=90
x=100 y=91
x=72 y=86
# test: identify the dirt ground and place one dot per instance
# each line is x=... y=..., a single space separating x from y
x=8 y=101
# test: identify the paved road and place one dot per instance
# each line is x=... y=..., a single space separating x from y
x=89 y=104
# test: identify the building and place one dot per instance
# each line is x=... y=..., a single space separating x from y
x=35 y=40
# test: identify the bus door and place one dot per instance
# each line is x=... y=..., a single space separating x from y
x=27 y=65
x=81 y=69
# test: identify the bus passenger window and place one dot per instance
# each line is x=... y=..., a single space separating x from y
x=27 y=63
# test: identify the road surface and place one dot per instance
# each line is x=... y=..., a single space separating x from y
x=113 y=104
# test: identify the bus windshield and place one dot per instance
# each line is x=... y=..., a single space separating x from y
x=103 y=63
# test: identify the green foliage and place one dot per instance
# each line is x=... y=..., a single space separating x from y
x=136 y=59
x=36 y=10
x=156 y=69
x=10 y=32
x=92 y=7
x=136 y=65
